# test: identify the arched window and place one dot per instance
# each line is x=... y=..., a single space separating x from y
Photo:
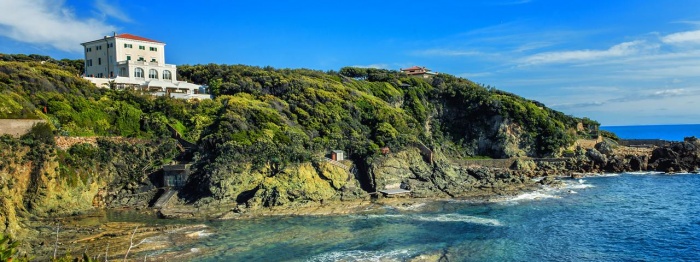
x=167 y=75
x=122 y=72
x=153 y=74
x=138 y=72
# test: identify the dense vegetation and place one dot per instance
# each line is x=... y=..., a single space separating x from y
x=273 y=117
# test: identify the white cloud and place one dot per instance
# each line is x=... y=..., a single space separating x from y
x=48 y=23
x=377 y=66
x=619 y=50
x=470 y=75
x=447 y=52
x=111 y=9
x=516 y=2
x=682 y=37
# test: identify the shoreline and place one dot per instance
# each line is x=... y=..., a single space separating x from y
x=93 y=231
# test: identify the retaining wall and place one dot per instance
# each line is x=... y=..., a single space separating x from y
x=17 y=127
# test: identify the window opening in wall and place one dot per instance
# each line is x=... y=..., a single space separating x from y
x=142 y=47
x=138 y=72
x=167 y=75
x=153 y=74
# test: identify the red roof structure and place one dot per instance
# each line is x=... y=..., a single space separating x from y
x=412 y=68
x=135 y=37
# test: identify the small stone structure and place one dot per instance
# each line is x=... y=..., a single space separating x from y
x=17 y=127
x=337 y=155
x=175 y=175
x=425 y=152
x=385 y=150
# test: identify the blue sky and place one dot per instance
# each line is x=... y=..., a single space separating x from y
x=619 y=62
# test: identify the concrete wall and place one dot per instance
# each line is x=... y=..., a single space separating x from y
x=17 y=127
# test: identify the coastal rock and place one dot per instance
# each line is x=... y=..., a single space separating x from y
x=605 y=148
x=677 y=157
x=408 y=170
x=598 y=158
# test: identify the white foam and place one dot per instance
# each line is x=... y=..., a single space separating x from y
x=442 y=218
x=531 y=196
x=460 y=218
x=608 y=174
x=578 y=186
x=364 y=255
x=412 y=207
x=644 y=173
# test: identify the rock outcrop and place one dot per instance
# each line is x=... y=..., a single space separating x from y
x=608 y=157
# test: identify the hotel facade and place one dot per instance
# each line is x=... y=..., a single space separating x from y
x=126 y=61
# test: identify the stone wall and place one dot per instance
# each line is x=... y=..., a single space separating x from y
x=17 y=127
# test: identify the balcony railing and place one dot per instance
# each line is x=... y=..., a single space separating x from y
x=144 y=63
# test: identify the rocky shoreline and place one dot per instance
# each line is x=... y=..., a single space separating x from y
x=181 y=222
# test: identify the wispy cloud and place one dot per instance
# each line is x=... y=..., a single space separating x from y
x=682 y=37
x=48 y=23
x=470 y=75
x=514 y=2
x=377 y=66
x=111 y=9
x=619 y=50
x=447 y=52
x=633 y=96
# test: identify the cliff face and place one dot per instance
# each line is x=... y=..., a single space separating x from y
x=443 y=178
x=40 y=181
x=295 y=185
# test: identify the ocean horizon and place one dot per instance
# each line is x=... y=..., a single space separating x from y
x=663 y=132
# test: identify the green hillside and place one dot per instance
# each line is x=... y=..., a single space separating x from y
x=265 y=125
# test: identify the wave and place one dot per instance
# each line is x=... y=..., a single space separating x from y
x=531 y=196
x=412 y=207
x=441 y=218
x=645 y=173
x=365 y=255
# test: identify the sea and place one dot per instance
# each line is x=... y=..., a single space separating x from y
x=663 y=132
x=612 y=217
x=606 y=217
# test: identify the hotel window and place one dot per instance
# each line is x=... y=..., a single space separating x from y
x=89 y=62
x=153 y=48
x=89 y=49
x=110 y=45
x=167 y=75
x=141 y=59
x=128 y=58
x=122 y=72
x=128 y=46
x=99 y=47
x=138 y=72
x=142 y=47
x=99 y=61
x=153 y=74
x=153 y=60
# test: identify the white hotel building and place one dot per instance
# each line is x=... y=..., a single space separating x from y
x=129 y=61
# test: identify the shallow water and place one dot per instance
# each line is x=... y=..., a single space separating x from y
x=648 y=217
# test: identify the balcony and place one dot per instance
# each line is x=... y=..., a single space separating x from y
x=143 y=63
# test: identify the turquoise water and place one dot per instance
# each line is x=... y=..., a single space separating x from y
x=628 y=217
x=664 y=132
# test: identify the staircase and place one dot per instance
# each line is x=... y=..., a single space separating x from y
x=336 y=163
x=165 y=198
